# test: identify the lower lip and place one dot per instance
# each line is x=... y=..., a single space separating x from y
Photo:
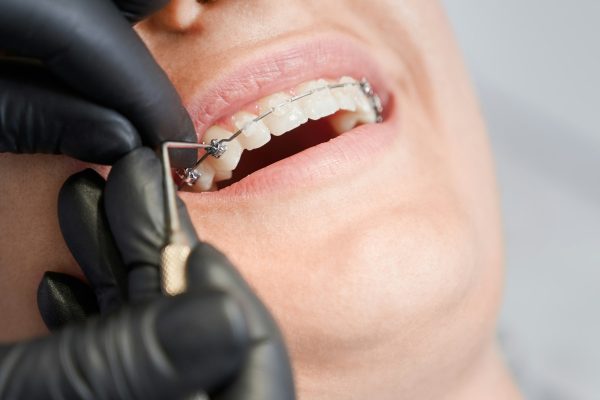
x=343 y=156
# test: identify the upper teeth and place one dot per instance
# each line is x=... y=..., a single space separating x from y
x=280 y=113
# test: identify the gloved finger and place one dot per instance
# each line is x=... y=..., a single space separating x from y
x=267 y=372
x=87 y=234
x=136 y=10
x=144 y=282
x=135 y=207
x=90 y=46
x=208 y=268
x=64 y=299
x=41 y=116
x=162 y=350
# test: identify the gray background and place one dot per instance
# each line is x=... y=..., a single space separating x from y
x=536 y=65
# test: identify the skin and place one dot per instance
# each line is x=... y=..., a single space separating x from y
x=395 y=293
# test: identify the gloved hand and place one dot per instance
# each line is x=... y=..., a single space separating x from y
x=132 y=206
x=93 y=91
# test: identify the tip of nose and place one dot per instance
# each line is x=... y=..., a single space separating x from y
x=181 y=15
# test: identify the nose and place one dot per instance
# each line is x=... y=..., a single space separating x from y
x=181 y=15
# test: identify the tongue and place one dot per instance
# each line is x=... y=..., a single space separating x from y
x=279 y=147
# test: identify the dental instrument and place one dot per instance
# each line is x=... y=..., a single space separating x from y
x=174 y=255
x=217 y=147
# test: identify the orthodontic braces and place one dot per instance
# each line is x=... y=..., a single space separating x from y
x=217 y=148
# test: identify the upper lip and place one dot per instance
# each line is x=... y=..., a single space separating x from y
x=280 y=65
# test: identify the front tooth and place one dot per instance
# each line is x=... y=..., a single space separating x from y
x=286 y=115
x=254 y=133
x=319 y=104
x=230 y=159
x=343 y=99
x=219 y=175
x=207 y=175
x=346 y=96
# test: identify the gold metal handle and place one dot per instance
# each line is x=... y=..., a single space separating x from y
x=173 y=259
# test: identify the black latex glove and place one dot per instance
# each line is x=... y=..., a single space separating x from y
x=163 y=348
x=94 y=91
x=131 y=204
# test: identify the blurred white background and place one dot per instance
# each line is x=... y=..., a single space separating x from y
x=536 y=65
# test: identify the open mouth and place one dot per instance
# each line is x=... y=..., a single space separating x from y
x=278 y=126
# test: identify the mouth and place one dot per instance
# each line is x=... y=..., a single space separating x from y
x=307 y=123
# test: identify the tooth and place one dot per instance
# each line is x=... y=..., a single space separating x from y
x=364 y=109
x=207 y=174
x=343 y=99
x=344 y=96
x=230 y=159
x=359 y=98
x=365 y=112
x=285 y=117
x=319 y=104
x=367 y=117
x=220 y=175
x=254 y=134
x=344 y=121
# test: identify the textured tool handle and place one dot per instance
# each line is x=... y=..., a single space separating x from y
x=173 y=259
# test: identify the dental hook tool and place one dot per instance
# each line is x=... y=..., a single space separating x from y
x=174 y=255
x=218 y=147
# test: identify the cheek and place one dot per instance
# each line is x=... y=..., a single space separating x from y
x=393 y=261
x=407 y=288
x=394 y=280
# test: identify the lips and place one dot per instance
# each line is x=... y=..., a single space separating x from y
x=315 y=152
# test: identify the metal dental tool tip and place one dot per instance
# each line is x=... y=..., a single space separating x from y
x=174 y=255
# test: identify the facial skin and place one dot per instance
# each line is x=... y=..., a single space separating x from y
x=386 y=283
